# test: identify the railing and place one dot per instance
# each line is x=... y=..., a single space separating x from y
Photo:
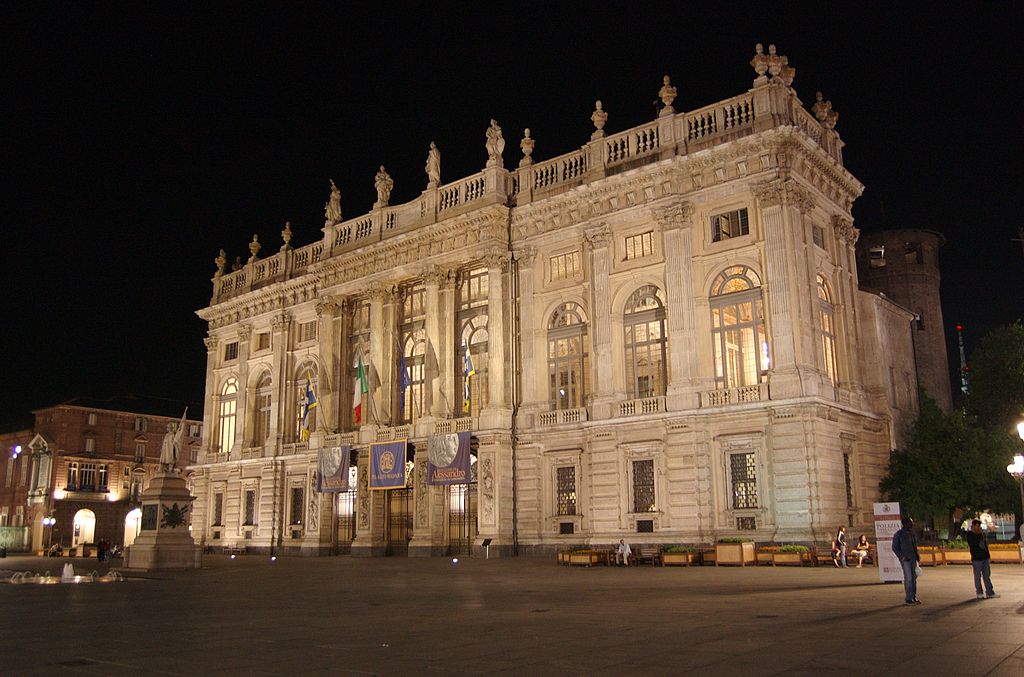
x=647 y=405
x=252 y=452
x=808 y=124
x=719 y=118
x=454 y=425
x=217 y=457
x=562 y=416
x=560 y=169
x=400 y=432
x=727 y=396
x=630 y=144
x=294 y=448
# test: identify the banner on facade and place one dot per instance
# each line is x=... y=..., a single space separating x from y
x=887 y=523
x=332 y=469
x=448 y=459
x=387 y=465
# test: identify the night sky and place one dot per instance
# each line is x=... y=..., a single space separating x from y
x=139 y=138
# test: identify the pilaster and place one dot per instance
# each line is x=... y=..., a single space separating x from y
x=369 y=539
x=597 y=240
x=494 y=508
x=243 y=435
x=210 y=410
x=497 y=414
x=279 y=325
x=328 y=311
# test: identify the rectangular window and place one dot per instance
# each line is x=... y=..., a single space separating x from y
x=72 y=477
x=231 y=351
x=307 y=331
x=126 y=480
x=139 y=425
x=10 y=471
x=746 y=523
x=90 y=444
x=728 y=225
x=849 y=480
x=743 y=469
x=140 y=452
x=24 y=470
x=566 y=481
x=193 y=430
x=641 y=245
x=91 y=419
x=193 y=455
x=565 y=266
x=876 y=256
x=643 y=486
x=3 y=516
x=87 y=475
x=101 y=481
x=263 y=341
x=296 y=505
x=218 y=509
x=250 y=507
x=19 y=516
x=818 y=233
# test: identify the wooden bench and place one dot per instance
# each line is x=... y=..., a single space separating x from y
x=647 y=554
x=233 y=550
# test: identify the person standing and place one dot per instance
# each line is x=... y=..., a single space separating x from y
x=904 y=546
x=841 y=546
x=980 y=560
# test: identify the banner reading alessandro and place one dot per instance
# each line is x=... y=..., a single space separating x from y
x=887 y=523
x=387 y=465
x=332 y=469
x=448 y=459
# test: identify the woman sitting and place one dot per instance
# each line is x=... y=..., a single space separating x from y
x=862 y=550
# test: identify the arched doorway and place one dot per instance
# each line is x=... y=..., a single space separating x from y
x=132 y=526
x=84 y=528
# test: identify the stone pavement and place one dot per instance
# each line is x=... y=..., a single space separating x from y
x=320 y=616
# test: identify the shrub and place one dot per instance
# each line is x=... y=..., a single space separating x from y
x=955 y=544
x=678 y=548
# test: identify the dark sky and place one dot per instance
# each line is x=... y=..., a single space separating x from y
x=139 y=138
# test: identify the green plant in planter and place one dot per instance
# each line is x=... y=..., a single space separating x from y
x=793 y=548
x=955 y=544
x=677 y=549
x=1003 y=546
x=735 y=539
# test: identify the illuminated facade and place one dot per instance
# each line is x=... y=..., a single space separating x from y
x=90 y=461
x=667 y=334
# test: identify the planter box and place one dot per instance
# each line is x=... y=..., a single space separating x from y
x=585 y=558
x=740 y=554
x=790 y=558
x=764 y=557
x=678 y=558
x=1005 y=555
x=958 y=556
x=563 y=557
x=931 y=556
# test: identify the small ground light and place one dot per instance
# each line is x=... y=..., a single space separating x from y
x=273 y=558
x=455 y=560
x=232 y=557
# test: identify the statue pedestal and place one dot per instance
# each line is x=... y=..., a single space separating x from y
x=164 y=541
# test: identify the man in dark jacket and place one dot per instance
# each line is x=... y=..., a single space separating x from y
x=980 y=560
x=904 y=546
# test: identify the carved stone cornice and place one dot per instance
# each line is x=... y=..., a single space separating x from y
x=280 y=322
x=672 y=215
x=784 y=191
x=326 y=304
x=382 y=292
x=497 y=258
x=245 y=331
x=525 y=255
x=845 y=229
x=597 y=237
x=436 y=276
x=211 y=343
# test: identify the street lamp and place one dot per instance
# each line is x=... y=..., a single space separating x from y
x=1017 y=470
x=48 y=522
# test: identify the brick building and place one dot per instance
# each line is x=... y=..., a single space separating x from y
x=14 y=467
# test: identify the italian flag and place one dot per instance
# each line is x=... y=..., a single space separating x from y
x=360 y=388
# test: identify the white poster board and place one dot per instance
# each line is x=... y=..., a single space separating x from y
x=887 y=523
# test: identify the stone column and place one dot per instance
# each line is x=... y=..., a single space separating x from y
x=494 y=504
x=597 y=241
x=279 y=325
x=327 y=311
x=369 y=539
x=497 y=414
x=447 y=349
x=847 y=326
x=683 y=391
x=531 y=395
x=243 y=435
x=212 y=395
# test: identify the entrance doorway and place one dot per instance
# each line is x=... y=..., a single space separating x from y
x=345 y=509
x=132 y=526
x=83 y=528
x=462 y=501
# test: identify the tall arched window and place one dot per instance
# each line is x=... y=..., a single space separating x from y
x=261 y=411
x=567 y=357
x=472 y=328
x=737 y=328
x=644 y=324
x=413 y=342
x=305 y=377
x=226 y=415
x=827 y=320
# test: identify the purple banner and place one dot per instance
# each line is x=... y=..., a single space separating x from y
x=448 y=459
x=332 y=470
x=387 y=465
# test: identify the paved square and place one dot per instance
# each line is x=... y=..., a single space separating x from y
x=514 y=616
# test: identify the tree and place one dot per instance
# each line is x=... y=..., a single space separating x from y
x=950 y=466
x=997 y=378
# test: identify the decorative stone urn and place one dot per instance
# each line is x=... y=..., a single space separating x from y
x=164 y=541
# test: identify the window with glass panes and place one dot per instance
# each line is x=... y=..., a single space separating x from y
x=358 y=347
x=101 y=478
x=565 y=266
x=743 y=475
x=645 y=344
x=87 y=477
x=226 y=415
x=643 y=486
x=261 y=405
x=827 y=320
x=472 y=327
x=413 y=342
x=218 y=509
x=565 y=480
x=849 y=480
x=737 y=328
x=250 y=507
x=640 y=245
x=72 y=484
x=297 y=505
x=728 y=225
x=568 y=358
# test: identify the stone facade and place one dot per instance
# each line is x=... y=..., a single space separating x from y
x=668 y=338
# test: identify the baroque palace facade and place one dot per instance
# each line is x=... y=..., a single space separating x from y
x=667 y=338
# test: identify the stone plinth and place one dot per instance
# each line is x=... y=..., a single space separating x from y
x=165 y=541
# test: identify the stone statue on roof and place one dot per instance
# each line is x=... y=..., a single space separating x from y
x=433 y=167
x=495 y=145
x=383 y=183
x=332 y=210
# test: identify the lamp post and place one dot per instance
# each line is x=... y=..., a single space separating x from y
x=48 y=523
x=1016 y=469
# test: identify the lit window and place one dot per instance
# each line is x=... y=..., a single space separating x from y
x=827 y=320
x=565 y=266
x=140 y=452
x=729 y=225
x=139 y=424
x=91 y=418
x=876 y=256
x=743 y=474
x=261 y=422
x=472 y=324
x=645 y=343
x=566 y=487
x=737 y=328
x=643 y=486
x=568 y=358
x=90 y=445
x=641 y=245
x=226 y=416
x=413 y=344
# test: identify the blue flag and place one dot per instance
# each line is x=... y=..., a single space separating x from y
x=403 y=382
x=308 y=404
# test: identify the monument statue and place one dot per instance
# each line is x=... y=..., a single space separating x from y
x=383 y=183
x=332 y=210
x=171 y=446
x=433 y=167
x=495 y=145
